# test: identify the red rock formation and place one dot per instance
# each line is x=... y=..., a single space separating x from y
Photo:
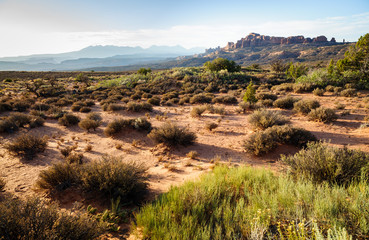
x=256 y=40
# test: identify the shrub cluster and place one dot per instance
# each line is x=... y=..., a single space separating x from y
x=138 y=107
x=119 y=125
x=322 y=114
x=92 y=121
x=27 y=145
x=172 y=135
x=305 y=106
x=265 y=141
x=33 y=219
x=111 y=177
x=263 y=119
x=323 y=163
x=285 y=102
x=69 y=120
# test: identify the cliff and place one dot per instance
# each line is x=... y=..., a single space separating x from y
x=257 y=40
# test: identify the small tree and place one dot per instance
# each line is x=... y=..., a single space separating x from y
x=249 y=95
x=222 y=64
x=330 y=67
x=144 y=71
x=296 y=71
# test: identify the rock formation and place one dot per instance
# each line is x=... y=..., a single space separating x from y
x=257 y=40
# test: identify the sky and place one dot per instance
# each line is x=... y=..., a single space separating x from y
x=54 y=26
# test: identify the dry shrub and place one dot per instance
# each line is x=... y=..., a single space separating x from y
x=2 y=184
x=69 y=120
x=323 y=163
x=139 y=107
x=85 y=109
x=305 y=106
x=210 y=126
x=201 y=98
x=350 y=92
x=263 y=119
x=172 y=135
x=264 y=141
x=192 y=154
x=27 y=145
x=34 y=219
x=322 y=114
x=59 y=176
x=74 y=158
x=118 y=125
x=88 y=124
x=318 y=92
x=197 y=111
x=285 y=102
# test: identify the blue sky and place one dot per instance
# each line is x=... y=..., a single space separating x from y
x=51 y=26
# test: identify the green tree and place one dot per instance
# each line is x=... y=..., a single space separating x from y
x=144 y=71
x=249 y=95
x=222 y=64
x=296 y=71
x=330 y=67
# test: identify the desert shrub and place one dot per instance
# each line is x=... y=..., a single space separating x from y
x=225 y=100
x=265 y=141
x=197 y=111
x=116 y=126
x=88 y=124
x=350 y=92
x=89 y=103
x=59 y=176
x=305 y=106
x=27 y=145
x=201 y=98
x=172 y=135
x=210 y=126
x=215 y=110
x=264 y=96
x=115 y=178
x=249 y=203
x=20 y=119
x=74 y=158
x=7 y=126
x=5 y=107
x=55 y=113
x=322 y=114
x=94 y=116
x=69 y=120
x=323 y=163
x=284 y=87
x=329 y=88
x=37 y=122
x=112 y=107
x=285 y=102
x=20 y=106
x=264 y=103
x=40 y=106
x=119 y=125
x=66 y=151
x=337 y=90
x=63 y=102
x=262 y=119
x=247 y=106
x=77 y=106
x=318 y=92
x=155 y=101
x=303 y=87
x=33 y=219
x=85 y=109
x=138 y=107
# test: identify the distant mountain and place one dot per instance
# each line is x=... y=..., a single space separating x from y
x=94 y=56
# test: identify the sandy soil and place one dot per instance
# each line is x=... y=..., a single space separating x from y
x=172 y=167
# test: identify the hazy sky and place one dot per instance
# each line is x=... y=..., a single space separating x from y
x=54 y=26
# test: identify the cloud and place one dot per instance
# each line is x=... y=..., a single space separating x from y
x=26 y=42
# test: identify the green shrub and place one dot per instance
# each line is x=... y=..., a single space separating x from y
x=265 y=141
x=305 y=106
x=172 y=135
x=249 y=95
x=285 y=102
x=115 y=178
x=27 y=145
x=197 y=111
x=262 y=119
x=69 y=120
x=33 y=219
x=322 y=114
x=323 y=163
x=249 y=203
x=88 y=124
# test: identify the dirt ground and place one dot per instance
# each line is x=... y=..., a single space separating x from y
x=172 y=167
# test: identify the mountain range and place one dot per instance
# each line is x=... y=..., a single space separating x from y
x=252 y=49
x=94 y=56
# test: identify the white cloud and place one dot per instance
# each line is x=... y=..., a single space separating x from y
x=26 y=42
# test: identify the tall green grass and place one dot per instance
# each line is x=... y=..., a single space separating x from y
x=249 y=203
